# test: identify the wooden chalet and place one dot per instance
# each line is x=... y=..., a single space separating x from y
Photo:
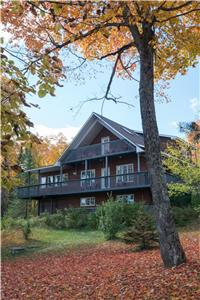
x=104 y=157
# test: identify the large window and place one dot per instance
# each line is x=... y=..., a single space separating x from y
x=65 y=178
x=105 y=145
x=126 y=198
x=54 y=180
x=89 y=201
x=105 y=178
x=57 y=180
x=50 y=180
x=124 y=173
x=43 y=181
x=88 y=177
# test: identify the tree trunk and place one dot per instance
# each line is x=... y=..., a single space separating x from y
x=171 y=250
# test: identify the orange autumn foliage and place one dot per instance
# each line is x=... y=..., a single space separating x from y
x=96 y=29
x=48 y=151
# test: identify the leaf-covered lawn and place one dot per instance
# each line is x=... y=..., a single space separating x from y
x=47 y=239
x=108 y=271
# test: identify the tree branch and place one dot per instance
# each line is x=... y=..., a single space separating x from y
x=125 y=68
x=120 y=50
x=176 y=7
x=176 y=16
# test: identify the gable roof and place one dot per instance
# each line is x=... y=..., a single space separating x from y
x=117 y=129
x=127 y=133
x=122 y=132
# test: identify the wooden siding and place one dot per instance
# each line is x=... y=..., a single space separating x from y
x=51 y=204
x=104 y=133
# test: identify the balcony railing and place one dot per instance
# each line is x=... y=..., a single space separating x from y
x=98 y=150
x=106 y=183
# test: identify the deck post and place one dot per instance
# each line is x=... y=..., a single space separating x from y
x=61 y=173
x=138 y=162
x=85 y=182
x=106 y=167
x=86 y=165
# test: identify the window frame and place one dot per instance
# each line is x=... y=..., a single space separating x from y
x=90 y=200
x=124 y=198
x=87 y=181
x=122 y=176
x=105 y=145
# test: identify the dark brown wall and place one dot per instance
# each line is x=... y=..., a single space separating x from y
x=74 y=170
x=140 y=195
x=104 y=133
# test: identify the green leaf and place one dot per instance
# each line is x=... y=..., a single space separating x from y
x=42 y=93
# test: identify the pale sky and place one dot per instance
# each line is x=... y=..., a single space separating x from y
x=55 y=115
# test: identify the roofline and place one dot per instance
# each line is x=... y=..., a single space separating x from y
x=98 y=116
x=76 y=136
x=162 y=135
x=42 y=168
x=107 y=125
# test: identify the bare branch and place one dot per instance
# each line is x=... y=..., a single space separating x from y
x=111 y=78
x=125 y=68
x=176 y=7
x=177 y=16
x=108 y=95
x=120 y=50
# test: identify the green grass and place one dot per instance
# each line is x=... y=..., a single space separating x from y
x=46 y=239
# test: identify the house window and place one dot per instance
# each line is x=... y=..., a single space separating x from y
x=65 y=178
x=105 y=145
x=50 y=180
x=89 y=201
x=126 y=198
x=124 y=173
x=57 y=180
x=105 y=178
x=88 y=177
x=43 y=181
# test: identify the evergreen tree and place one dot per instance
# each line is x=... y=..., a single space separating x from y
x=142 y=231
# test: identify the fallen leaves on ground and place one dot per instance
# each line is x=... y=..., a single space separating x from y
x=109 y=271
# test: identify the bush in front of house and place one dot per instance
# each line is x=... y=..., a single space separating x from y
x=130 y=212
x=142 y=232
x=110 y=218
x=184 y=216
x=56 y=221
x=26 y=230
x=76 y=218
x=92 y=221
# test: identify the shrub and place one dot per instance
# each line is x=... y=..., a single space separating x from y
x=184 y=216
x=76 y=218
x=110 y=216
x=130 y=212
x=142 y=231
x=56 y=221
x=92 y=221
x=8 y=222
x=27 y=230
x=196 y=202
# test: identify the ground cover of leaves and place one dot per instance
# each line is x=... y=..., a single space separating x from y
x=109 y=271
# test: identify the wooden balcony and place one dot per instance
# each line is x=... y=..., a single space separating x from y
x=99 y=150
x=97 y=184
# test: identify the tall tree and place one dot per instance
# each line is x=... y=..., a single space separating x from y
x=15 y=129
x=50 y=148
x=159 y=35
